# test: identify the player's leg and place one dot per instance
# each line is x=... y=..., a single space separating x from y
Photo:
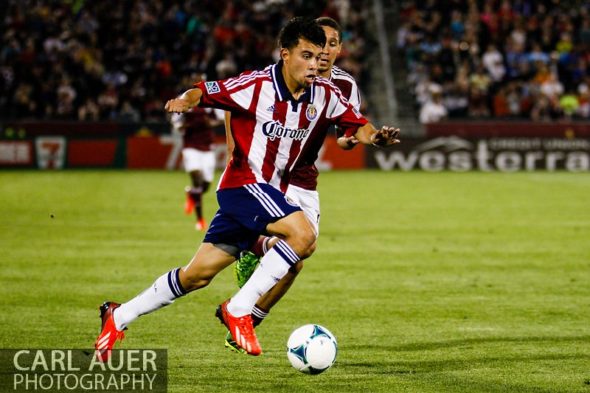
x=209 y=259
x=205 y=264
x=205 y=177
x=191 y=164
x=263 y=208
x=297 y=244
x=201 y=166
x=236 y=313
x=194 y=194
x=309 y=201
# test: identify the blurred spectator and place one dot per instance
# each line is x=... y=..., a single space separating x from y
x=541 y=110
x=433 y=111
x=456 y=101
x=584 y=101
x=89 y=110
x=534 y=53
x=123 y=59
x=500 y=104
x=494 y=63
x=569 y=104
x=66 y=94
x=128 y=113
x=552 y=88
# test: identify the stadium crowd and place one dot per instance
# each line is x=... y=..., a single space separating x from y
x=521 y=59
x=121 y=60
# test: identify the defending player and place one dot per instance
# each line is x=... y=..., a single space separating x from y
x=303 y=182
x=277 y=114
x=198 y=158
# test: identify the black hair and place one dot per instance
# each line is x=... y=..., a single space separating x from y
x=327 y=21
x=300 y=27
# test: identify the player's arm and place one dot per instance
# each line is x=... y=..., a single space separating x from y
x=347 y=142
x=369 y=135
x=357 y=126
x=229 y=139
x=186 y=101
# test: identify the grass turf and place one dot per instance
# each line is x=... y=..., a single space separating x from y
x=473 y=282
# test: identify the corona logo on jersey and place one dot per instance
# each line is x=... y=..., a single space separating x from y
x=274 y=129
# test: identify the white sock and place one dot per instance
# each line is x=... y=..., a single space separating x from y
x=161 y=293
x=273 y=266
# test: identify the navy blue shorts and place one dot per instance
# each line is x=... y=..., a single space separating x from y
x=244 y=213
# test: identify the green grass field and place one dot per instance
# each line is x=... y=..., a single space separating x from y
x=472 y=282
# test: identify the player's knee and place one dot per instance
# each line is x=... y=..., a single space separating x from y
x=304 y=241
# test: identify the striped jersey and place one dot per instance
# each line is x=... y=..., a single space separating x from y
x=305 y=174
x=271 y=129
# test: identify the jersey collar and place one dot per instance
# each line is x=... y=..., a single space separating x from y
x=281 y=88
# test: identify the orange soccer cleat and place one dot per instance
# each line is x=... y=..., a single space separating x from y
x=109 y=334
x=189 y=203
x=201 y=224
x=240 y=328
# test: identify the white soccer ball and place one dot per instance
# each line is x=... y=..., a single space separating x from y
x=312 y=349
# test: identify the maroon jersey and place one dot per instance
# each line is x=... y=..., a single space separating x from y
x=305 y=174
x=198 y=133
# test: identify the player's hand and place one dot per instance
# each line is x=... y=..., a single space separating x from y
x=386 y=136
x=177 y=105
x=347 y=143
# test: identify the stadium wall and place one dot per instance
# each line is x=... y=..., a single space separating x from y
x=451 y=146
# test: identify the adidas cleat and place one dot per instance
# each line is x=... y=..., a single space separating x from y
x=241 y=329
x=109 y=334
x=232 y=345
x=245 y=266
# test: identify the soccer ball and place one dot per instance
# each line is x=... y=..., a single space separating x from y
x=312 y=349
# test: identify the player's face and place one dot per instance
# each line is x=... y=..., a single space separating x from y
x=331 y=49
x=301 y=64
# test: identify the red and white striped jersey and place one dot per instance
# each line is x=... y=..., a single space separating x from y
x=271 y=129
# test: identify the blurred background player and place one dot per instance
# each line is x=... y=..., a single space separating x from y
x=303 y=183
x=196 y=127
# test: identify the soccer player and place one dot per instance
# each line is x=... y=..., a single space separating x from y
x=198 y=158
x=303 y=181
x=276 y=115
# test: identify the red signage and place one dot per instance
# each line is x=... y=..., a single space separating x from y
x=16 y=153
x=92 y=153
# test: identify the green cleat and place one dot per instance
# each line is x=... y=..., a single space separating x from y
x=245 y=266
x=232 y=345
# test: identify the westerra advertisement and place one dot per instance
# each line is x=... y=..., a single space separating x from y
x=492 y=154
